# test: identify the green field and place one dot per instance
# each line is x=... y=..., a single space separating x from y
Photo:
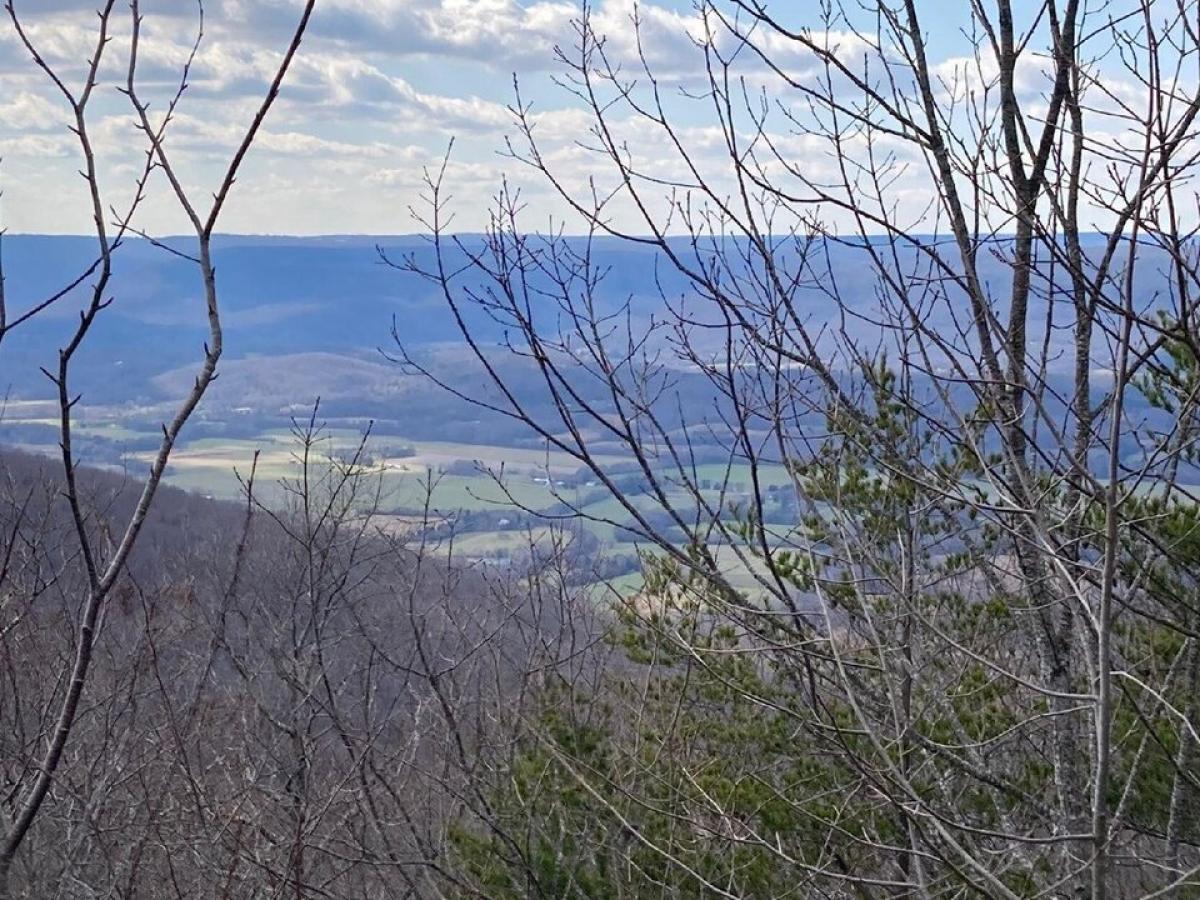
x=207 y=465
x=108 y=430
x=412 y=472
x=741 y=477
x=453 y=492
x=483 y=543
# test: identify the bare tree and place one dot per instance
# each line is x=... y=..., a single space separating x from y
x=962 y=322
x=102 y=556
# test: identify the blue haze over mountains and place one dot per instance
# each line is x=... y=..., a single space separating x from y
x=324 y=305
x=277 y=295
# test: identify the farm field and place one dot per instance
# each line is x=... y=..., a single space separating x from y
x=483 y=476
x=211 y=466
x=207 y=465
x=450 y=477
x=112 y=431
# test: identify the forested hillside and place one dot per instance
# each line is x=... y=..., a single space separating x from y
x=274 y=691
x=768 y=468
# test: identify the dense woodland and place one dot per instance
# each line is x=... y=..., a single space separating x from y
x=282 y=701
x=967 y=659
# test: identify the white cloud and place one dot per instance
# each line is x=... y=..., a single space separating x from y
x=34 y=146
x=359 y=87
x=28 y=111
x=378 y=89
x=500 y=32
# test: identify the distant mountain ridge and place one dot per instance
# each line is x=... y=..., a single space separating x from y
x=307 y=318
x=284 y=295
x=278 y=296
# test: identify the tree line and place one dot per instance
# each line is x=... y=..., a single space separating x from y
x=966 y=664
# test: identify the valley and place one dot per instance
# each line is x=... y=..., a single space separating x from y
x=480 y=503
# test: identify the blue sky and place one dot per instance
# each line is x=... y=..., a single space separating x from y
x=379 y=90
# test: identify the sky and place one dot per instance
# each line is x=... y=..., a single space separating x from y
x=378 y=92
